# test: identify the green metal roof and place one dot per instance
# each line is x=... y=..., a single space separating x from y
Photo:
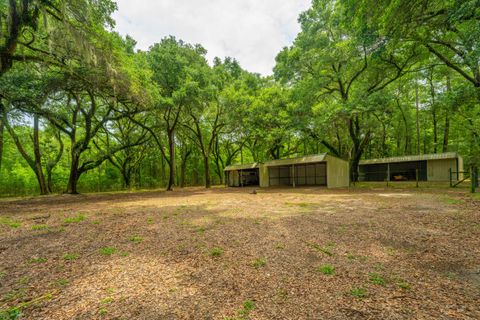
x=299 y=160
x=280 y=162
x=242 y=167
x=422 y=157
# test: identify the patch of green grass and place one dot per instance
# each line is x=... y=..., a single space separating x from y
x=216 y=252
x=149 y=220
x=110 y=290
x=201 y=230
x=359 y=293
x=377 y=279
x=76 y=219
x=351 y=256
x=2 y=274
x=70 y=256
x=280 y=246
x=38 y=260
x=103 y=311
x=96 y=222
x=124 y=254
x=258 y=263
x=107 y=300
x=326 y=270
x=10 y=314
x=15 y=294
x=300 y=204
x=62 y=282
x=39 y=227
x=248 y=307
x=454 y=201
x=9 y=222
x=404 y=285
x=451 y=275
x=326 y=250
x=135 y=239
x=107 y=251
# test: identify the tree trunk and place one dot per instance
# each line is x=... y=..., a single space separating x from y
x=183 y=168
x=206 y=165
x=35 y=164
x=446 y=131
x=359 y=145
x=74 y=174
x=171 y=162
x=38 y=157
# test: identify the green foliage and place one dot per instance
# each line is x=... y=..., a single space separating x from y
x=348 y=85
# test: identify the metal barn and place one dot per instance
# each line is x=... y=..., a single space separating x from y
x=315 y=170
x=431 y=167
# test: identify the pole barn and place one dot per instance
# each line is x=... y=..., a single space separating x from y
x=315 y=170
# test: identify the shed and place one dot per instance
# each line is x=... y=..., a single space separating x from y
x=431 y=167
x=314 y=170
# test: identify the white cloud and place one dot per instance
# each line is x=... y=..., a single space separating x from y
x=252 y=31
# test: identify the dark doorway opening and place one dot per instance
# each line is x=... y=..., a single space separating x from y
x=312 y=174
x=399 y=171
x=249 y=177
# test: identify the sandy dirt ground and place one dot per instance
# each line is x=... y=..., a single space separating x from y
x=306 y=253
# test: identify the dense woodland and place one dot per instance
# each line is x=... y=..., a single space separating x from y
x=81 y=109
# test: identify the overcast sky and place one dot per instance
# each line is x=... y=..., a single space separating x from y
x=252 y=31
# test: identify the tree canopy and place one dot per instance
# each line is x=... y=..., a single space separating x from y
x=81 y=109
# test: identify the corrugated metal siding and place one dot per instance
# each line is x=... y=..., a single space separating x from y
x=338 y=172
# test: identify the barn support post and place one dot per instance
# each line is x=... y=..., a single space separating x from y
x=416 y=177
x=388 y=174
x=450 y=175
x=293 y=175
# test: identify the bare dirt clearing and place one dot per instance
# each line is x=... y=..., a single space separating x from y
x=226 y=253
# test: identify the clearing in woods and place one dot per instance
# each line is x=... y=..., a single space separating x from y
x=303 y=253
